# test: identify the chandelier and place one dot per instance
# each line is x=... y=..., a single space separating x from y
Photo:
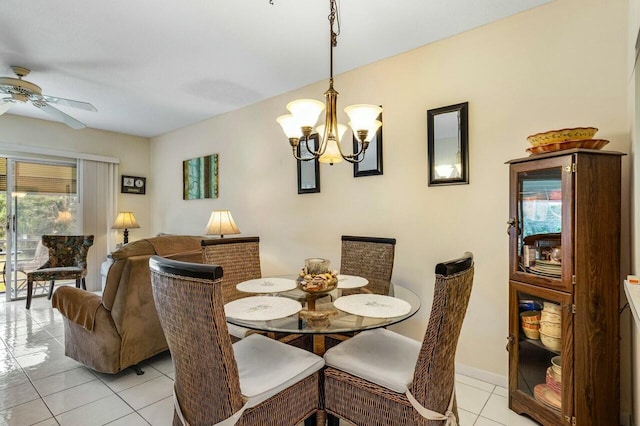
x=298 y=126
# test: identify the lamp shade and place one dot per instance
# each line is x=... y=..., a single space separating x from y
x=221 y=223
x=289 y=125
x=362 y=116
x=332 y=152
x=305 y=111
x=125 y=220
x=371 y=131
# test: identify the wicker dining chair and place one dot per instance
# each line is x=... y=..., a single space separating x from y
x=238 y=257
x=416 y=385
x=240 y=260
x=256 y=381
x=368 y=257
x=67 y=261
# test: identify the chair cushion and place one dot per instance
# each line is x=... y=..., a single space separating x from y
x=238 y=331
x=60 y=273
x=266 y=366
x=380 y=356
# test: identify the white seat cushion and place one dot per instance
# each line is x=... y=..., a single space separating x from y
x=266 y=367
x=380 y=356
x=238 y=331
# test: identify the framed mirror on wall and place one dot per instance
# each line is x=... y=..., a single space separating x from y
x=448 y=145
x=308 y=171
x=372 y=163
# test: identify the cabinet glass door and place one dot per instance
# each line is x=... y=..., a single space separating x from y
x=540 y=349
x=540 y=215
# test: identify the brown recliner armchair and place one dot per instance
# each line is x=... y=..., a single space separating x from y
x=119 y=329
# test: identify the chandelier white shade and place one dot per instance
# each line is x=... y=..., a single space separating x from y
x=221 y=223
x=332 y=153
x=304 y=114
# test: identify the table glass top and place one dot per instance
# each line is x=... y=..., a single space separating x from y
x=320 y=316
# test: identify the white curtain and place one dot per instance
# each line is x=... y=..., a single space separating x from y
x=98 y=204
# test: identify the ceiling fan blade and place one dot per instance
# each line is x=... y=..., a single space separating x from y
x=67 y=102
x=61 y=116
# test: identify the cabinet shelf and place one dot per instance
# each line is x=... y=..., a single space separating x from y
x=538 y=343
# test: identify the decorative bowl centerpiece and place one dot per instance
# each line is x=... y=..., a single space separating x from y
x=315 y=277
x=558 y=140
x=562 y=135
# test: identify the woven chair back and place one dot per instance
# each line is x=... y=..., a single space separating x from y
x=238 y=257
x=67 y=250
x=434 y=375
x=192 y=316
x=371 y=258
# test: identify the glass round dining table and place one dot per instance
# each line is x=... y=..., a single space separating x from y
x=338 y=311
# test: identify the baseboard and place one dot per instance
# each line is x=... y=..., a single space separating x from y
x=486 y=376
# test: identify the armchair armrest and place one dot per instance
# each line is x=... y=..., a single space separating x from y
x=78 y=306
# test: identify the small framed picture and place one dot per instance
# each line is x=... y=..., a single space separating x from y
x=308 y=171
x=133 y=185
x=448 y=145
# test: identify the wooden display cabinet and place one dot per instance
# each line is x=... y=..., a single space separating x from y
x=564 y=259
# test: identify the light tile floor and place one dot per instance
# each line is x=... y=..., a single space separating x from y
x=39 y=385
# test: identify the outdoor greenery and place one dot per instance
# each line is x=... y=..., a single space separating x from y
x=38 y=215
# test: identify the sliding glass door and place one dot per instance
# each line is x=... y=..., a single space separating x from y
x=37 y=198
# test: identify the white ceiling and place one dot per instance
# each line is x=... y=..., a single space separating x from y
x=153 y=66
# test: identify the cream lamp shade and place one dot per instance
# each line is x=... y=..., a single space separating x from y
x=126 y=221
x=221 y=223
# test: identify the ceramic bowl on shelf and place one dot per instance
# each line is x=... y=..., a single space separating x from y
x=551 y=381
x=547 y=316
x=554 y=375
x=552 y=329
x=532 y=331
x=562 y=135
x=556 y=364
x=553 y=343
x=531 y=317
x=552 y=308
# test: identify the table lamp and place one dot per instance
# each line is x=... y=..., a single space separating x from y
x=221 y=223
x=126 y=221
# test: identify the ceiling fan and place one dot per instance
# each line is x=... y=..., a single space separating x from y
x=24 y=91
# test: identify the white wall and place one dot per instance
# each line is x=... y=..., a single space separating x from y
x=133 y=152
x=559 y=65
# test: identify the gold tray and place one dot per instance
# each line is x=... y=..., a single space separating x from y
x=560 y=146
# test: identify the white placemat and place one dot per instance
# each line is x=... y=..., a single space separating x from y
x=351 y=281
x=261 y=308
x=373 y=305
x=266 y=285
